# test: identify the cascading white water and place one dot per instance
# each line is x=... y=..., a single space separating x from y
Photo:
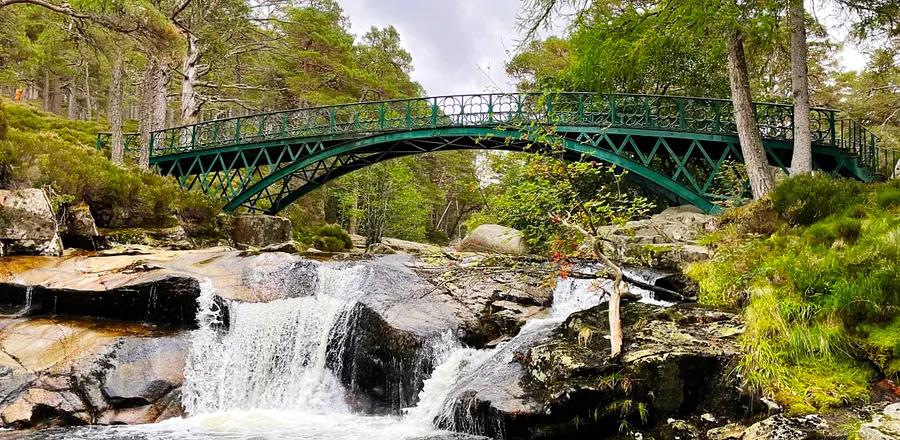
x=267 y=376
x=491 y=371
x=274 y=354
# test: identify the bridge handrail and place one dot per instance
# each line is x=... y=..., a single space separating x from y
x=664 y=112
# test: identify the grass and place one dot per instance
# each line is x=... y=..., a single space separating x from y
x=820 y=292
x=43 y=150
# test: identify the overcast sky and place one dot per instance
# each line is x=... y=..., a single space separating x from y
x=461 y=46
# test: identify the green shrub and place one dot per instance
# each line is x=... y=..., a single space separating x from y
x=332 y=238
x=806 y=199
x=329 y=244
x=437 y=236
x=45 y=150
x=3 y=124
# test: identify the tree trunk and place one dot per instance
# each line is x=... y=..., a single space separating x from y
x=114 y=112
x=801 y=162
x=190 y=105
x=47 y=90
x=88 y=102
x=72 y=104
x=153 y=111
x=761 y=177
x=56 y=95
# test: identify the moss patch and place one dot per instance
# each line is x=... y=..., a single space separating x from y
x=820 y=295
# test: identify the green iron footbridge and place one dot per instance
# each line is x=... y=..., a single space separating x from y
x=683 y=148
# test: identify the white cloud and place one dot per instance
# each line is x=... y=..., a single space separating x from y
x=462 y=46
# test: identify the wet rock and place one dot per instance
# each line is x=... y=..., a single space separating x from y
x=677 y=362
x=781 y=427
x=380 y=249
x=491 y=303
x=495 y=239
x=143 y=370
x=169 y=300
x=27 y=224
x=80 y=230
x=56 y=370
x=48 y=403
x=174 y=238
x=883 y=426
x=260 y=231
x=382 y=365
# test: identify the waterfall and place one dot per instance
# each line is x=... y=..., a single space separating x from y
x=490 y=371
x=275 y=371
x=274 y=355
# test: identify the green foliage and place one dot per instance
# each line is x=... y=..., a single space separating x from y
x=44 y=150
x=329 y=244
x=806 y=199
x=822 y=299
x=332 y=238
x=534 y=189
x=3 y=125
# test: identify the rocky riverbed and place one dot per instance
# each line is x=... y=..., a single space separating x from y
x=422 y=343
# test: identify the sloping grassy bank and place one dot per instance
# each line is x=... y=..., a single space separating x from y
x=816 y=269
x=38 y=149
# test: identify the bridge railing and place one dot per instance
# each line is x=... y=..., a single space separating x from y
x=703 y=115
x=652 y=112
x=132 y=142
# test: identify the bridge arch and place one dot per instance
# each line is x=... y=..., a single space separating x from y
x=466 y=138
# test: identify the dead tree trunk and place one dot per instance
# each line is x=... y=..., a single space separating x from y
x=761 y=177
x=801 y=162
x=114 y=112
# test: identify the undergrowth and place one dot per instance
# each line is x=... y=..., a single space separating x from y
x=819 y=284
x=42 y=149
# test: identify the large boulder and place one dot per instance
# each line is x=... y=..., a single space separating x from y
x=27 y=224
x=495 y=239
x=139 y=378
x=677 y=362
x=781 y=427
x=260 y=231
x=80 y=230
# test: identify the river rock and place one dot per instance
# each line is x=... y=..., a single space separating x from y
x=381 y=364
x=666 y=240
x=260 y=231
x=58 y=372
x=883 y=426
x=27 y=224
x=781 y=427
x=490 y=303
x=80 y=230
x=495 y=239
x=677 y=362
x=172 y=238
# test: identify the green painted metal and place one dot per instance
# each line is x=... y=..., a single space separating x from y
x=682 y=147
x=132 y=142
